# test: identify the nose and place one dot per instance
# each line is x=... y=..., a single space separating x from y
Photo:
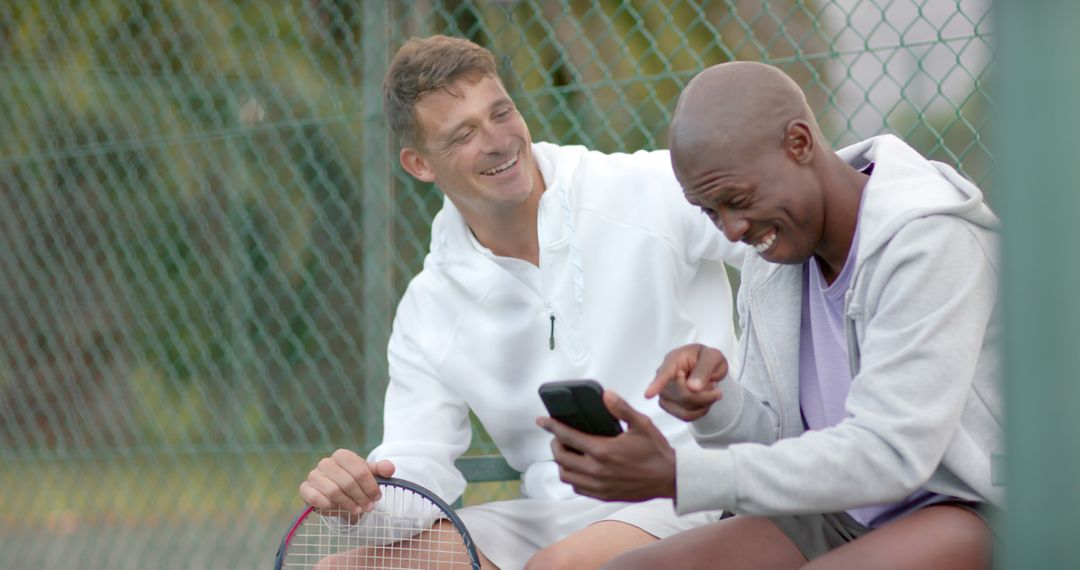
x=492 y=141
x=732 y=225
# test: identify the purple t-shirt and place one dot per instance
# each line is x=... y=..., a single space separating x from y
x=825 y=374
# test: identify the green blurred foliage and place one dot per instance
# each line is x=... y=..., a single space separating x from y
x=183 y=175
x=183 y=182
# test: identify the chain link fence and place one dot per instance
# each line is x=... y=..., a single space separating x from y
x=204 y=231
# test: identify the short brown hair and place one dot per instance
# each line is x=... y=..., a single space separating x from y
x=424 y=65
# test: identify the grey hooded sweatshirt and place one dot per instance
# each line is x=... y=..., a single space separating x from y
x=922 y=325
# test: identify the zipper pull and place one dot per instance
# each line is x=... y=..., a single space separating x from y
x=551 y=340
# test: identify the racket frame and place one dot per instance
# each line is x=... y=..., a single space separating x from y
x=449 y=513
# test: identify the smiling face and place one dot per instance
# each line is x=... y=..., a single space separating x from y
x=475 y=147
x=748 y=152
x=766 y=197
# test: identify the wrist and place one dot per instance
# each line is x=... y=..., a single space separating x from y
x=670 y=474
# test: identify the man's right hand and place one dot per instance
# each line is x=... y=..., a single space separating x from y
x=345 y=480
x=687 y=381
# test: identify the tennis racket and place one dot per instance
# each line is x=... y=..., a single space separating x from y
x=410 y=528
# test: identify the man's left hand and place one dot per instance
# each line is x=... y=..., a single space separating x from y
x=636 y=465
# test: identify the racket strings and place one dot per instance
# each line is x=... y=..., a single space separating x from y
x=406 y=531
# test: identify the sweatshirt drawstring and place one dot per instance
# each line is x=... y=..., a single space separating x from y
x=551 y=339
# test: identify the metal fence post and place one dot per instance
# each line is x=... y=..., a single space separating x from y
x=376 y=218
x=1039 y=87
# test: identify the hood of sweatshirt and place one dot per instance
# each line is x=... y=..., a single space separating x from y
x=905 y=186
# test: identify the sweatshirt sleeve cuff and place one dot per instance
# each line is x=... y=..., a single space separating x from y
x=704 y=480
x=722 y=414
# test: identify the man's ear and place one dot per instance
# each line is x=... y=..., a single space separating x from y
x=799 y=141
x=414 y=163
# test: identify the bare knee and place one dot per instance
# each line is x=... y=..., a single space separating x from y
x=641 y=559
x=970 y=530
x=568 y=555
x=554 y=557
x=591 y=547
x=342 y=560
x=971 y=539
x=940 y=536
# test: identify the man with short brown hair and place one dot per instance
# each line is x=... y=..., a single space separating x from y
x=423 y=66
x=547 y=262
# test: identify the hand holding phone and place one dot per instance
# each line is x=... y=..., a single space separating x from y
x=580 y=405
x=637 y=465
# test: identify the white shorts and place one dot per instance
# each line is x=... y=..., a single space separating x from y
x=510 y=532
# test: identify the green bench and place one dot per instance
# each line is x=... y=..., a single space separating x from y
x=485 y=469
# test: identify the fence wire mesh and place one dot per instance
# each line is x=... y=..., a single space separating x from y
x=204 y=231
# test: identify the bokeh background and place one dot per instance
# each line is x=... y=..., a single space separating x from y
x=204 y=229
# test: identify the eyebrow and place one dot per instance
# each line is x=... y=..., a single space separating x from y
x=723 y=193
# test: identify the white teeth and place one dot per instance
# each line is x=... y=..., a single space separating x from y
x=764 y=245
x=501 y=167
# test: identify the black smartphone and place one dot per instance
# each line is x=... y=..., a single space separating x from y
x=580 y=405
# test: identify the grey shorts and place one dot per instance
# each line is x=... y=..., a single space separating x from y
x=817 y=534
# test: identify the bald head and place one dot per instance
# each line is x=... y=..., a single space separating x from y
x=733 y=108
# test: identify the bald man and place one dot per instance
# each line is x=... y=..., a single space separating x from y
x=860 y=427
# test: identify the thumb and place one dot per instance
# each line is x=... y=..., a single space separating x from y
x=383 y=468
x=623 y=411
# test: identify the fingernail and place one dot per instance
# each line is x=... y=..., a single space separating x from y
x=369 y=507
x=694 y=383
